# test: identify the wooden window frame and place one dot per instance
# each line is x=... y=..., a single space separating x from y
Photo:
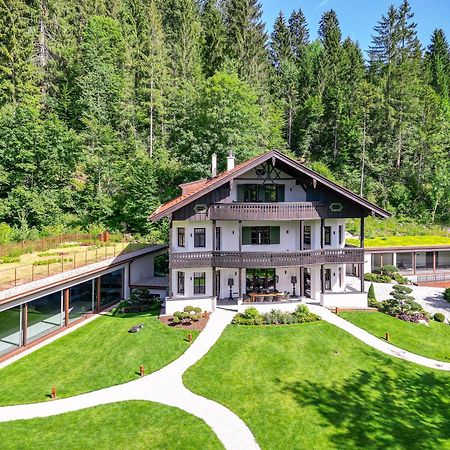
x=199 y=237
x=181 y=237
x=199 y=288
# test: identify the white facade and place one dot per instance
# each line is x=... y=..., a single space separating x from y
x=189 y=236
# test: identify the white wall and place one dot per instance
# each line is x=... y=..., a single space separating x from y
x=284 y=279
x=189 y=235
x=267 y=307
x=206 y=303
x=229 y=235
x=189 y=282
x=225 y=274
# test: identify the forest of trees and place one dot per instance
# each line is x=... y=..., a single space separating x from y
x=106 y=106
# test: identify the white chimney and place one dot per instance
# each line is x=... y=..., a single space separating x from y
x=230 y=160
x=213 y=165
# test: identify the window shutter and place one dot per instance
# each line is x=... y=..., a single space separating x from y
x=246 y=235
x=274 y=235
x=280 y=192
x=240 y=192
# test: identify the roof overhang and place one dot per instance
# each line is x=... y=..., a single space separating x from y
x=275 y=156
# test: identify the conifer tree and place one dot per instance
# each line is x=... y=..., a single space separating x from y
x=280 y=42
x=438 y=61
x=299 y=33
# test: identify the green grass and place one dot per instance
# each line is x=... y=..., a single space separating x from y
x=315 y=386
x=101 y=353
x=432 y=342
x=127 y=425
x=401 y=241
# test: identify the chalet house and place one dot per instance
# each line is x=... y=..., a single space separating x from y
x=268 y=233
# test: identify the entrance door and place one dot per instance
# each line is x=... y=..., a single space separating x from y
x=217 y=284
x=307 y=282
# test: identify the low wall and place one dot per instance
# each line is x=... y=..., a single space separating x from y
x=206 y=303
x=344 y=300
x=289 y=306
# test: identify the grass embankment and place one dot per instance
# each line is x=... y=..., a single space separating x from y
x=315 y=386
x=432 y=341
x=402 y=241
x=136 y=425
x=100 y=354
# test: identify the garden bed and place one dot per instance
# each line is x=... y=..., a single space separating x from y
x=198 y=326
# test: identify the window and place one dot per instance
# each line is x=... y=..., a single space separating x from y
x=341 y=234
x=307 y=234
x=260 y=235
x=328 y=279
x=181 y=237
x=218 y=235
x=260 y=192
x=180 y=283
x=199 y=282
x=340 y=276
x=327 y=237
x=199 y=237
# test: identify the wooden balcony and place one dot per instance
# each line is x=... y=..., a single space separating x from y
x=278 y=211
x=265 y=259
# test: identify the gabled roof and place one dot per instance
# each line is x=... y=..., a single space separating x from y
x=199 y=188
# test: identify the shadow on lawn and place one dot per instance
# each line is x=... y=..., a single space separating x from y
x=381 y=409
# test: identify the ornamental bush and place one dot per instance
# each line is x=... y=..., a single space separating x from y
x=439 y=317
x=389 y=270
x=447 y=294
x=371 y=298
x=197 y=310
x=376 y=278
x=252 y=316
x=188 y=308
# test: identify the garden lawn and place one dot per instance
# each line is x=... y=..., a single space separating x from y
x=315 y=386
x=99 y=354
x=432 y=341
x=133 y=425
x=401 y=241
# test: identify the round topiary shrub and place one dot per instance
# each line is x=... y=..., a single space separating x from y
x=198 y=310
x=176 y=320
x=177 y=314
x=439 y=317
x=188 y=308
x=185 y=315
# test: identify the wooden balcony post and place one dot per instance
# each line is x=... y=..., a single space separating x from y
x=169 y=287
x=66 y=295
x=414 y=261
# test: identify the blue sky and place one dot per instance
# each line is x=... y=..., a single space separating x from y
x=358 y=17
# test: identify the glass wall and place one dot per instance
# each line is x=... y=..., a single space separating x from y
x=81 y=300
x=111 y=287
x=404 y=261
x=44 y=316
x=10 y=330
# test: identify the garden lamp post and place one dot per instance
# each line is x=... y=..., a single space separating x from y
x=231 y=284
x=294 y=282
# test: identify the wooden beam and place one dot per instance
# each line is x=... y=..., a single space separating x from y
x=240 y=282
x=66 y=297
x=24 y=324
x=361 y=244
x=434 y=262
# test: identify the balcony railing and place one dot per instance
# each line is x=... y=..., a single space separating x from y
x=277 y=211
x=265 y=259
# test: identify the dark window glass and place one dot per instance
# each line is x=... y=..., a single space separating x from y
x=199 y=282
x=161 y=265
x=81 y=298
x=307 y=234
x=327 y=235
x=181 y=237
x=111 y=287
x=328 y=279
x=341 y=233
x=261 y=193
x=260 y=235
x=340 y=276
x=250 y=192
x=199 y=237
x=270 y=193
x=10 y=330
x=180 y=284
x=218 y=237
x=258 y=280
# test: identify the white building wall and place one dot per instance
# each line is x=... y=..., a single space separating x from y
x=189 y=235
x=189 y=282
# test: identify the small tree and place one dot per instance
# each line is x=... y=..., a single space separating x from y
x=371 y=297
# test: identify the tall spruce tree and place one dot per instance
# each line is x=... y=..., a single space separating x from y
x=299 y=33
x=280 y=42
x=438 y=62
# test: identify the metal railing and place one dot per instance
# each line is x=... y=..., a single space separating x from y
x=435 y=278
x=65 y=261
x=265 y=259
x=275 y=211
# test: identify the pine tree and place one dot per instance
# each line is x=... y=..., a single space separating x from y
x=18 y=72
x=246 y=39
x=438 y=62
x=299 y=34
x=280 y=42
x=214 y=38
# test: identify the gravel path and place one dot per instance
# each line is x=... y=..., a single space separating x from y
x=164 y=386
x=375 y=342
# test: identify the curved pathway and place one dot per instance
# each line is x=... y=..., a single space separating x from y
x=375 y=342
x=163 y=386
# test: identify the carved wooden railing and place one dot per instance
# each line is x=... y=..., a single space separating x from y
x=276 y=211
x=265 y=259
